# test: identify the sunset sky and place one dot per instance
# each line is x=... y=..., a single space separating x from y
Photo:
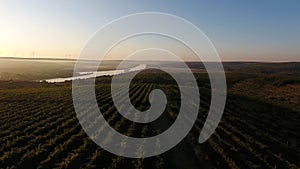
x=257 y=30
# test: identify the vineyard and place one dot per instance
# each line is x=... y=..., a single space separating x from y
x=39 y=129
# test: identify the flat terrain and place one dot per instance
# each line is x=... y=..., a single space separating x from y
x=259 y=129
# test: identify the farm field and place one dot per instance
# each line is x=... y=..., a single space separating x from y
x=149 y=85
x=39 y=127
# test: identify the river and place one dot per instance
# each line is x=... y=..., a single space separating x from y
x=87 y=75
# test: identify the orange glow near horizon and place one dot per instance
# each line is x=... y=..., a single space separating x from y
x=61 y=29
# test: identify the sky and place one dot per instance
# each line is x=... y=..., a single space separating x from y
x=254 y=30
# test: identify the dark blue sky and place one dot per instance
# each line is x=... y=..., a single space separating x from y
x=256 y=30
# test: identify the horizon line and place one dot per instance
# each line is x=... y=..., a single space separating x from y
x=73 y=59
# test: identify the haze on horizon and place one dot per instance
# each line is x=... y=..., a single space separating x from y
x=241 y=31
